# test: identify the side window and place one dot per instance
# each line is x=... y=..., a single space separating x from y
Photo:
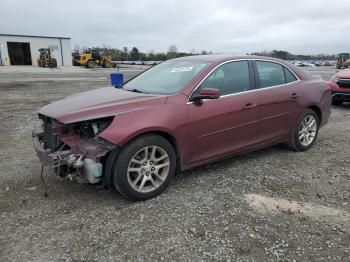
x=289 y=76
x=270 y=74
x=229 y=78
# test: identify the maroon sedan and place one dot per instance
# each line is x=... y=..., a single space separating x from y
x=180 y=114
x=340 y=87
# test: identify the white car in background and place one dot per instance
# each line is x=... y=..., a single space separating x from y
x=308 y=64
x=298 y=63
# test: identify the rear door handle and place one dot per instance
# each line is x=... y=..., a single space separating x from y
x=294 y=96
x=249 y=106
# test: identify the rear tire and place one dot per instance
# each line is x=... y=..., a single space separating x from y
x=305 y=131
x=337 y=102
x=144 y=167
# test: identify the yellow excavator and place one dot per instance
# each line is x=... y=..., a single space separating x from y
x=91 y=58
x=46 y=58
x=343 y=60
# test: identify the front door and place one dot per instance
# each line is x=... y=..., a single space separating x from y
x=221 y=126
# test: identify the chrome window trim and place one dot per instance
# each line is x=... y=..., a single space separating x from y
x=243 y=92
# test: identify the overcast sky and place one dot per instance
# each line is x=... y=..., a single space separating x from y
x=226 y=26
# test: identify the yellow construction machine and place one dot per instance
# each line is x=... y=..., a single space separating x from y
x=91 y=58
x=46 y=58
x=343 y=60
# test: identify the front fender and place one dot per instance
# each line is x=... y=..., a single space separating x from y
x=169 y=118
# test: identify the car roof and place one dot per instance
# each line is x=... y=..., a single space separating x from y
x=220 y=58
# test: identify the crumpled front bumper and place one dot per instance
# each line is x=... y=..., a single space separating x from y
x=74 y=156
x=48 y=158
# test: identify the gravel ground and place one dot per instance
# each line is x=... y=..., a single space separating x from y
x=270 y=205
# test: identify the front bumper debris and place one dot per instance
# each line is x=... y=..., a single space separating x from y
x=47 y=158
x=82 y=155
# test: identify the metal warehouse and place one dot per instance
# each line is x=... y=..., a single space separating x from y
x=24 y=49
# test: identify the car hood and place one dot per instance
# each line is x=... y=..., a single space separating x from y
x=98 y=103
x=343 y=73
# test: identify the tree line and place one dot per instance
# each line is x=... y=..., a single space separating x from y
x=288 y=56
x=134 y=54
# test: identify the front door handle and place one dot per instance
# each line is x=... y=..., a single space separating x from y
x=294 y=96
x=249 y=106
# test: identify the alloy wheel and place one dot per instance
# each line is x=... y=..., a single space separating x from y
x=307 y=130
x=148 y=169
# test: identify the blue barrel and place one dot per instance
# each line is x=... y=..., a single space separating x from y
x=117 y=79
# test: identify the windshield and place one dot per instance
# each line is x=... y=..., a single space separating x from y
x=44 y=52
x=166 y=78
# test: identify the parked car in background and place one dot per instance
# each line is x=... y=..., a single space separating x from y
x=297 y=63
x=340 y=87
x=182 y=113
x=327 y=63
x=307 y=64
x=318 y=63
x=313 y=63
x=303 y=64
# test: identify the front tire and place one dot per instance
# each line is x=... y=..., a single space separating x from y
x=144 y=167
x=107 y=64
x=305 y=131
x=90 y=64
x=53 y=63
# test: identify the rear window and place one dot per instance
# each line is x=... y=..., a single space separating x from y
x=273 y=74
x=289 y=76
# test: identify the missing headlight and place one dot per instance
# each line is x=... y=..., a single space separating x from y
x=91 y=128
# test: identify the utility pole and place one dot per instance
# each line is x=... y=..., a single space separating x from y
x=0 y=54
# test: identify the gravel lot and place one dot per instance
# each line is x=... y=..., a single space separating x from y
x=270 y=205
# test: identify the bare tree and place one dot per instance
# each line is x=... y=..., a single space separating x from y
x=125 y=50
x=172 y=51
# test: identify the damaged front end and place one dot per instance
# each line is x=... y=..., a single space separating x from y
x=76 y=146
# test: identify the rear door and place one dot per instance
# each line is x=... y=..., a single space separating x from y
x=278 y=97
x=229 y=123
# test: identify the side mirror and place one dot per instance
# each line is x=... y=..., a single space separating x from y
x=206 y=93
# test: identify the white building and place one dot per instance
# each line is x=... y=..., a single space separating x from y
x=24 y=49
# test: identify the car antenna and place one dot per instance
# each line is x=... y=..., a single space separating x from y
x=43 y=180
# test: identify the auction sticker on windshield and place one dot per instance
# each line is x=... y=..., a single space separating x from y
x=182 y=69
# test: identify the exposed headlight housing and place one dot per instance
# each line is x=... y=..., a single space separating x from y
x=92 y=128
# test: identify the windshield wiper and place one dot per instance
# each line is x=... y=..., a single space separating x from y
x=136 y=91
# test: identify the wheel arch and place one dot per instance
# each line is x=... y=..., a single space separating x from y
x=317 y=110
x=169 y=137
x=111 y=156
